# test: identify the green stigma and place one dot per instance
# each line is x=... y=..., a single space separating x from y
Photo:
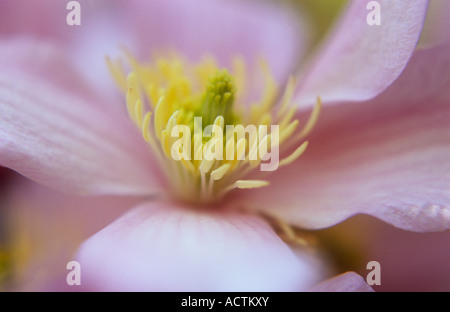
x=218 y=98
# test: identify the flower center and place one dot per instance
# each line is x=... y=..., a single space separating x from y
x=218 y=98
x=209 y=130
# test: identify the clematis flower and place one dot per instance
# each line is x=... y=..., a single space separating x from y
x=374 y=150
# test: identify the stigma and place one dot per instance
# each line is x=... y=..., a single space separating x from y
x=211 y=134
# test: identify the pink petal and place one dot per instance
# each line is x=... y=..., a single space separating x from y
x=408 y=261
x=43 y=229
x=43 y=18
x=53 y=132
x=41 y=58
x=162 y=246
x=400 y=253
x=46 y=19
x=360 y=61
x=348 y=282
x=222 y=28
x=103 y=29
x=389 y=158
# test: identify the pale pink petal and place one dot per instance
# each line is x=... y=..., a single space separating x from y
x=348 y=282
x=43 y=229
x=102 y=31
x=40 y=58
x=408 y=261
x=359 y=61
x=42 y=18
x=161 y=246
x=389 y=158
x=222 y=28
x=53 y=132
x=47 y=19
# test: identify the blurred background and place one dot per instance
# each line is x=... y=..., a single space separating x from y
x=41 y=229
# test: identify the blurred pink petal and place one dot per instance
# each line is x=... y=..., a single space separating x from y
x=379 y=158
x=348 y=282
x=388 y=158
x=161 y=246
x=60 y=137
x=47 y=227
x=409 y=261
x=369 y=57
x=222 y=28
x=46 y=19
x=43 y=18
x=103 y=29
x=49 y=62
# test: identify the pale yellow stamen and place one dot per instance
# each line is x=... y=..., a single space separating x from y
x=188 y=165
x=287 y=97
x=287 y=233
x=146 y=126
x=198 y=155
x=220 y=172
x=138 y=113
x=160 y=117
x=312 y=119
x=240 y=152
x=206 y=165
x=220 y=122
x=172 y=91
x=295 y=155
x=287 y=131
x=250 y=184
x=165 y=143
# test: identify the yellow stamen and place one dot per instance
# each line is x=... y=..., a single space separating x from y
x=287 y=132
x=250 y=184
x=206 y=165
x=138 y=113
x=146 y=126
x=160 y=117
x=220 y=172
x=116 y=72
x=312 y=119
x=295 y=155
x=172 y=92
x=287 y=97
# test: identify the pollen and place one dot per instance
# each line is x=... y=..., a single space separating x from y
x=211 y=134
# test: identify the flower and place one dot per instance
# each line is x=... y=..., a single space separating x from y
x=61 y=133
x=409 y=261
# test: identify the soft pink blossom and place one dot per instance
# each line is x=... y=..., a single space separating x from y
x=380 y=147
